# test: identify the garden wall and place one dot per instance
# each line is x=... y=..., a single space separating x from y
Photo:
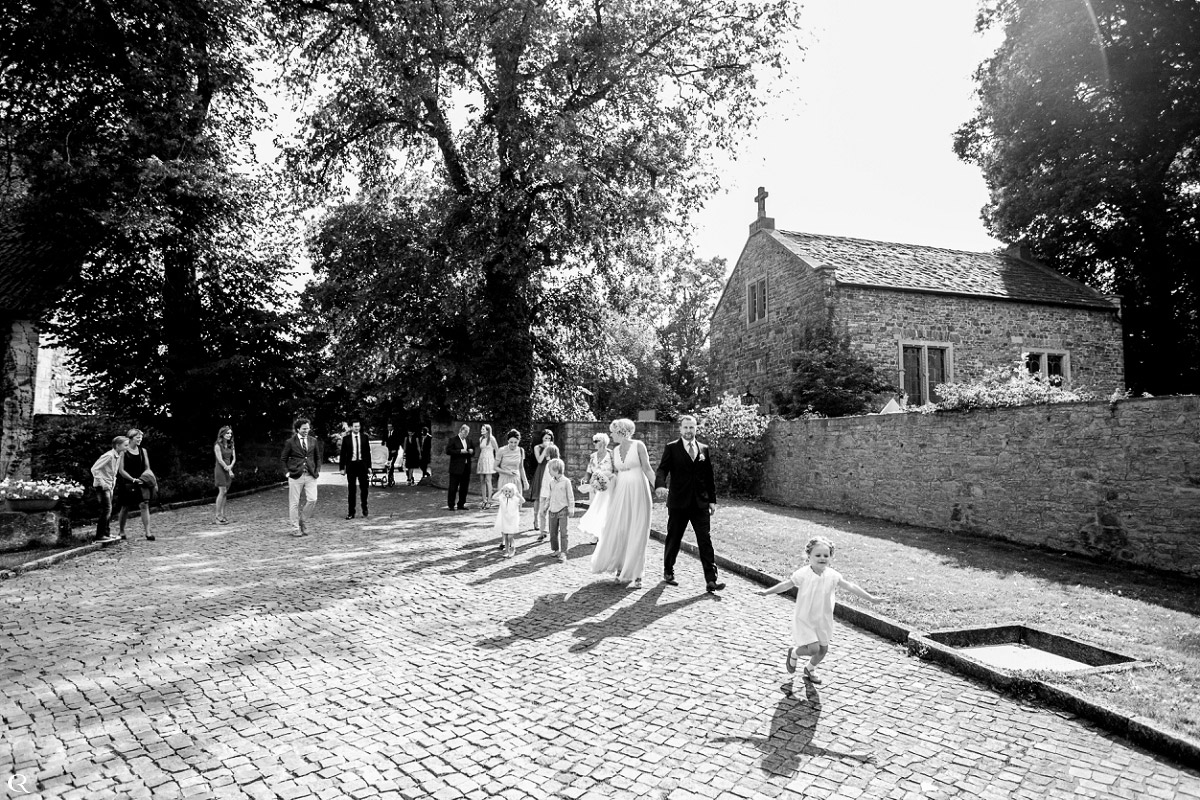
x=1115 y=480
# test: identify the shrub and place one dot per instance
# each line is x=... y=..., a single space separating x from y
x=829 y=379
x=1003 y=387
x=735 y=433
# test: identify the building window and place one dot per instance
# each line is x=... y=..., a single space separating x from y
x=756 y=300
x=1053 y=366
x=923 y=365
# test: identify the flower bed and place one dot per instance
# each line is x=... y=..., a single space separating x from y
x=48 y=489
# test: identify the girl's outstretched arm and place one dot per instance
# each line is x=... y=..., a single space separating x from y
x=854 y=589
x=782 y=586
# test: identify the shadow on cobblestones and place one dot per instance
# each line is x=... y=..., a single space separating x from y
x=793 y=728
x=628 y=620
x=556 y=612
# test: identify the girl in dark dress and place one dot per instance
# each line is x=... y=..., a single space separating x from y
x=225 y=455
x=132 y=490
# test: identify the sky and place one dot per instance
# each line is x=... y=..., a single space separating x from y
x=859 y=141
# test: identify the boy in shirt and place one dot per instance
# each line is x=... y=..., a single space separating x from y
x=560 y=506
x=104 y=476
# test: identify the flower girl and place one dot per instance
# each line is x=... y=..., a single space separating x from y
x=508 y=516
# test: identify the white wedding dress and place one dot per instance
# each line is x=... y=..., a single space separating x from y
x=626 y=529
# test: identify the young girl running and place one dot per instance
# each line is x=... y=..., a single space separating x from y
x=812 y=624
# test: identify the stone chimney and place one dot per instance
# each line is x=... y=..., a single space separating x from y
x=1019 y=250
x=763 y=222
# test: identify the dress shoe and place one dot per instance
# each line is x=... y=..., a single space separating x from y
x=349 y=516
x=365 y=514
x=449 y=508
x=713 y=586
x=462 y=508
x=150 y=537
x=669 y=580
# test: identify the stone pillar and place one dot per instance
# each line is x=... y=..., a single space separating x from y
x=16 y=417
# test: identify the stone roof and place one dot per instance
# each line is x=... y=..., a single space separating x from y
x=29 y=280
x=911 y=267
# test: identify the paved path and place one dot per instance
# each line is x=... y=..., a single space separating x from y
x=402 y=657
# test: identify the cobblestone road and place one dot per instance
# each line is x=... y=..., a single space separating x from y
x=401 y=656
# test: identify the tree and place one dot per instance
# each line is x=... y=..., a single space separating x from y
x=691 y=288
x=829 y=378
x=547 y=137
x=1087 y=134
x=122 y=122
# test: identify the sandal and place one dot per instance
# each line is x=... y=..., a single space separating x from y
x=791 y=660
x=811 y=675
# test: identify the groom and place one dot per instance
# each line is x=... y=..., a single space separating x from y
x=692 y=498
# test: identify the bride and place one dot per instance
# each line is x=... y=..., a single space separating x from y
x=626 y=526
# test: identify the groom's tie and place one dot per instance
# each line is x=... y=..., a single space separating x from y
x=691 y=452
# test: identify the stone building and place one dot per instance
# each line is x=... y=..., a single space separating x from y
x=28 y=285
x=921 y=315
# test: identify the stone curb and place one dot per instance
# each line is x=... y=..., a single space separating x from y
x=41 y=563
x=1139 y=730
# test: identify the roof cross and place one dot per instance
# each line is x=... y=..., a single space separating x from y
x=761 y=199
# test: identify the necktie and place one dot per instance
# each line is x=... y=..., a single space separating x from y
x=304 y=442
x=355 y=448
x=691 y=450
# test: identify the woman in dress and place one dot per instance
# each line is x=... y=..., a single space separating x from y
x=535 y=487
x=131 y=483
x=600 y=461
x=486 y=466
x=223 y=468
x=626 y=531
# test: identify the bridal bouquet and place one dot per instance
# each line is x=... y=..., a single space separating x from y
x=599 y=481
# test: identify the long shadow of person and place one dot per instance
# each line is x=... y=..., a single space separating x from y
x=629 y=619
x=517 y=567
x=469 y=557
x=793 y=728
x=551 y=613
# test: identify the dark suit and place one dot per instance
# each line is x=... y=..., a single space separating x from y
x=691 y=489
x=460 y=470
x=357 y=471
x=392 y=443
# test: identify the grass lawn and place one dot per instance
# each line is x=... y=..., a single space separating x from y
x=932 y=579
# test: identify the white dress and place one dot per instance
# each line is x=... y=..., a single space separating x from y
x=592 y=521
x=626 y=531
x=813 y=620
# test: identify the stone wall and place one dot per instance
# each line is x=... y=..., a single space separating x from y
x=983 y=333
x=1114 y=480
x=573 y=438
x=19 y=371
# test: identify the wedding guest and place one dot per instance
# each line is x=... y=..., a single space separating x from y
x=599 y=470
x=355 y=463
x=508 y=518
x=460 y=451
x=104 y=477
x=392 y=441
x=510 y=464
x=539 y=504
x=626 y=532
x=426 y=454
x=560 y=506
x=133 y=477
x=535 y=486
x=412 y=454
x=486 y=466
x=225 y=455
x=301 y=459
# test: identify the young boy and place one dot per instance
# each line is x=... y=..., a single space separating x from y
x=560 y=506
x=104 y=475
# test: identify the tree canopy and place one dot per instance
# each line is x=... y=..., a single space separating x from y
x=122 y=126
x=1088 y=135
x=561 y=137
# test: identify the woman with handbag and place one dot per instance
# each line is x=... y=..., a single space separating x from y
x=135 y=492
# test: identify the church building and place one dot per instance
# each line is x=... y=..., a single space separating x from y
x=921 y=315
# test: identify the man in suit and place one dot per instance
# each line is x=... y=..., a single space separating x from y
x=355 y=461
x=426 y=454
x=392 y=440
x=692 y=497
x=460 y=451
x=301 y=459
